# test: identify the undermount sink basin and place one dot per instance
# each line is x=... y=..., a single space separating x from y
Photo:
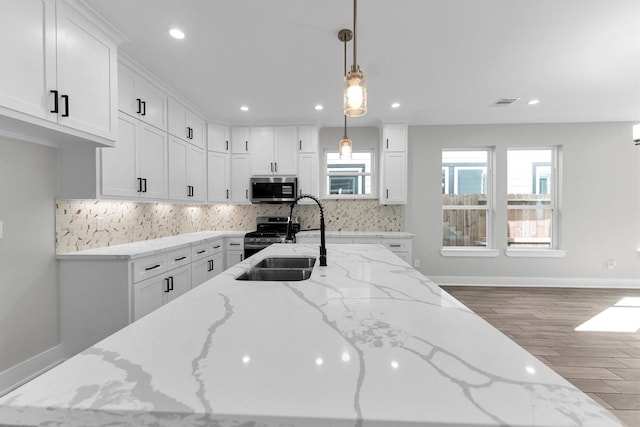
x=290 y=262
x=276 y=274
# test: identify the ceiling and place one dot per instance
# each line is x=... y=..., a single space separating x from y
x=444 y=61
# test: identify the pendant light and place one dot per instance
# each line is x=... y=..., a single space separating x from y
x=355 y=88
x=346 y=147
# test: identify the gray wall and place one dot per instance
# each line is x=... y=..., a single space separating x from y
x=600 y=209
x=28 y=273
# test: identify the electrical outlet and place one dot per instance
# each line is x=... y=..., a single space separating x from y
x=611 y=264
x=416 y=263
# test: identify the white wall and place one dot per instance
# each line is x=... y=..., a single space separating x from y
x=600 y=209
x=28 y=273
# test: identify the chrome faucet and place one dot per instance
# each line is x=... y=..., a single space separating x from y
x=323 y=248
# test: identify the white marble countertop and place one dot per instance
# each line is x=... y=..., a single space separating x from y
x=374 y=234
x=366 y=341
x=148 y=247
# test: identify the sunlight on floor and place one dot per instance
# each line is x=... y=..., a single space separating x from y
x=624 y=316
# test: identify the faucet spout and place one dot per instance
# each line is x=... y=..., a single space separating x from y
x=323 y=248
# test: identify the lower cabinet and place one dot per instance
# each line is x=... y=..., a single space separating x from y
x=208 y=261
x=400 y=246
x=151 y=294
x=234 y=248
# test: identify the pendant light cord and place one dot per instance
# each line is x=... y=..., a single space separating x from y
x=355 y=14
x=345 y=73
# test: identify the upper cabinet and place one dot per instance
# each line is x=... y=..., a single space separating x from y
x=141 y=99
x=187 y=171
x=185 y=124
x=308 y=139
x=393 y=177
x=218 y=138
x=240 y=140
x=274 y=150
x=58 y=78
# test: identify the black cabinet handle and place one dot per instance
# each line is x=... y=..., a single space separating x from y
x=227 y=193
x=65 y=98
x=151 y=268
x=246 y=194
x=210 y=265
x=167 y=288
x=300 y=145
x=139 y=185
x=201 y=252
x=180 y=259
x=139 y=105
x=216 y=246
x=241 y=257
x=276 y=166
x=246 y=146
x=387 y=193
x=227 y=142
x=144 y=180
x=395 y=246
x=387 y=143
x=271 y=166
x=234 y=244
x=55 y=101
x=144 y=108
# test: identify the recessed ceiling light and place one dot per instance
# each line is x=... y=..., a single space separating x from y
x=534 y=102
x=244 y=108
x=395 y=105
x=319 y=107
x=176 y=33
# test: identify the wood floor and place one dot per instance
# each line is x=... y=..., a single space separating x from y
x=605 y=365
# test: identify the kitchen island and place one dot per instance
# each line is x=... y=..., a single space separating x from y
x=365 y=341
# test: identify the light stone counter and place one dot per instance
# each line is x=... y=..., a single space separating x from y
x=356 y=234
x=148 y=247
x=366 y=341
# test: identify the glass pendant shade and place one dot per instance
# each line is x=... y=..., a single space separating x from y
x=345 y=148
x=636 y=134
x=355 y=94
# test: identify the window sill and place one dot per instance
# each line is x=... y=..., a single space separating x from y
x=535 y=253
x=468 y=252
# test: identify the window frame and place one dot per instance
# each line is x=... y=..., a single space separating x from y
x=372 y=174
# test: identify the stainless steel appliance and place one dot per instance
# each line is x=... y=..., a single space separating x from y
x=274 y=189
x=270 y=230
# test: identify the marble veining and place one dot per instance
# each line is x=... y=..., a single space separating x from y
x=366 y=341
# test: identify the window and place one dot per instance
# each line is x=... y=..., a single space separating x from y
x=350 y=177
x=466 y=198
x=531 y=198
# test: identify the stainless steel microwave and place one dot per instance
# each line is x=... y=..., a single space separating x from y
x=274 y=189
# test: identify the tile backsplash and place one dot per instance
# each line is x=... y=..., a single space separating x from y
x=86 y=224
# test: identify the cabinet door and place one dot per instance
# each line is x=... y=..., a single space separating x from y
x=22 y=47
x=153 y=108
x=240 y=140
x=179 y=281
x=234 y=257
x=308 y=177
x=153 y=161
x=200 y=272
x=262 y=161
x=217 y=264
x=394 y=137
x=119 y=163
x=285 y=143
x=308 y=139
x=219 y=177
x=218 y=138
x=240 y=178
x=86 y=75
x=394 y=182
x=148 y=295
x=178 y=154
x=196 y=172
x=196 y=128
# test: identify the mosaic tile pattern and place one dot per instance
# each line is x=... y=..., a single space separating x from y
x=87 y=224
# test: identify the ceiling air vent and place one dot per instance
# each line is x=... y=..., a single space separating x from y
x=503 y=102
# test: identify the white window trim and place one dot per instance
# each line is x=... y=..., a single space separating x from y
x=373 y=174
x=468 y=251
x=535 y=253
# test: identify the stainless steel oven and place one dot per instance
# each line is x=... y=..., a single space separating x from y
x=270 y=230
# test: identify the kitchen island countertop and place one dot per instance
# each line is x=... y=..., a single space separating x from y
x=366 y=341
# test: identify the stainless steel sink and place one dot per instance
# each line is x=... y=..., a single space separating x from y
x=289 y=262
x=276 y=274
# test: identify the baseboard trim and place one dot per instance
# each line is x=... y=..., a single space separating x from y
x=542 y=282
x=30 y=368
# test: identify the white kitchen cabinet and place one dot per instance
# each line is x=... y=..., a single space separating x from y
x=137 y=166
x=240 y=178
x=234 y=251
x=308 y=139
x=274 y=151
x=59 y=73
x=187 y=164
x=400 y=245
x=218 y=177
x=218 y=138
x=308 y=182
x=140 y=98
x=240 y=140
x=394 y=178
x=208 y=261
x=152 y=293
x=393 y=164
x=185 y=124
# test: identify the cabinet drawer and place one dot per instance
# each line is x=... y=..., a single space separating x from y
x=216 y=246
x=235 y=243
x=179 y=257
x=396 y=245
x=149 y=267
x=200 y=251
